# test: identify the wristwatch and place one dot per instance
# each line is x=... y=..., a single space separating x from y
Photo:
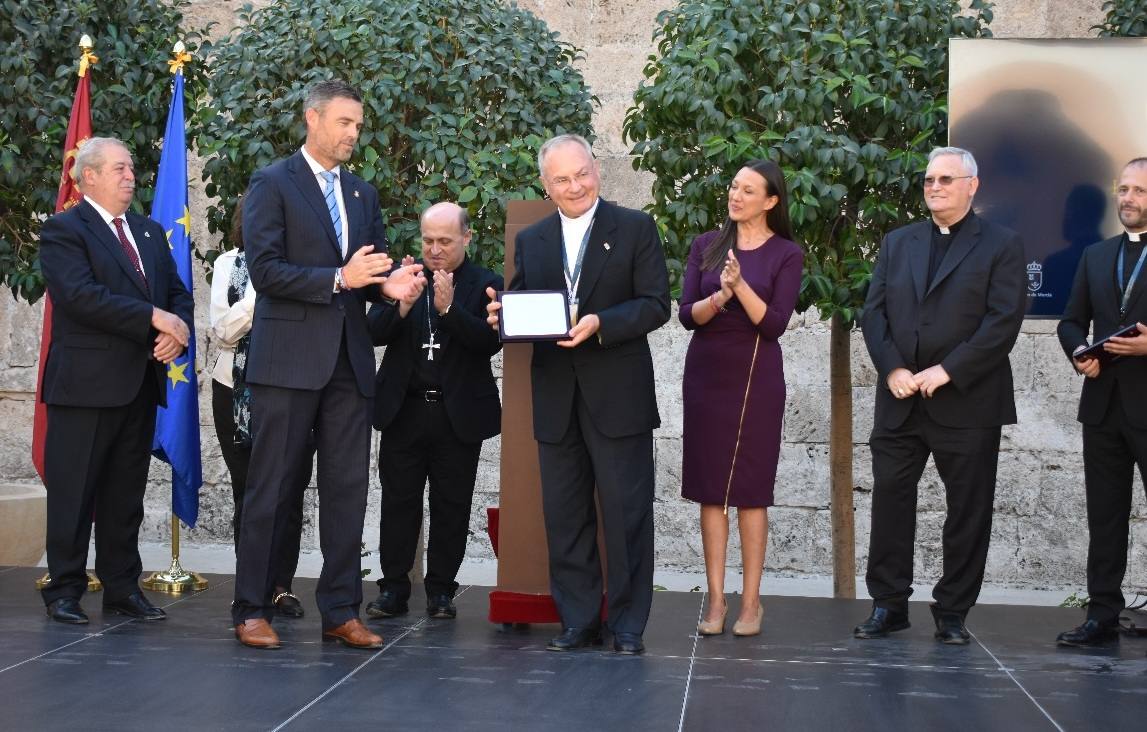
x=340 y=283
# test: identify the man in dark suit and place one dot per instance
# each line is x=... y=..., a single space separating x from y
x=315 y=246
x=593 y=395
x=942 y=314
x=119 y=313
x=1107 y=296
x=435 y=402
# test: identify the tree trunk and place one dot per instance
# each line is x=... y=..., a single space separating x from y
x=840 y=461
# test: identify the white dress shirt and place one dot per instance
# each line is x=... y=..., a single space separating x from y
x=318 y=169
x=573 y=231
x=109 y=219
x=229 y=323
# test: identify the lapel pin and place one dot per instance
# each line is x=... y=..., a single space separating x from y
x=606 y=245
x=356 y=194
x=147 y=235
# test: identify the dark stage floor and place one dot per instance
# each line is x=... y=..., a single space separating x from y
x=805 y=672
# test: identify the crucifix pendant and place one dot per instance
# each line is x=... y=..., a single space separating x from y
x=430 y=347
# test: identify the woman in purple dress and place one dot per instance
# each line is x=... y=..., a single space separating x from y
x=740 y=288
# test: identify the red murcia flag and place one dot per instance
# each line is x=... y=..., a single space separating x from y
x=79 y=130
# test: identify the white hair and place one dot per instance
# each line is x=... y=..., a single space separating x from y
x=91 y=155
x=965 y=157
x=558 y=141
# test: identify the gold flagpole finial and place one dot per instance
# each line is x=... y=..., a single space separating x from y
x=87 y=58
x=181 y=57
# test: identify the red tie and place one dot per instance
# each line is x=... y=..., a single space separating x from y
x=129 y=250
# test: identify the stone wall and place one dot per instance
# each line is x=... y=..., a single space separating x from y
x=1039 y=536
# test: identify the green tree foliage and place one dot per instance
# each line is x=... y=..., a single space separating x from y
x=848 y=97
x=458 y=96
x=130 y=97
x=1123 y=18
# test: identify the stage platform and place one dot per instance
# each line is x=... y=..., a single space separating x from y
x=805 y=672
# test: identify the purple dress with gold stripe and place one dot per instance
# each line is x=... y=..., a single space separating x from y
x=734 y=383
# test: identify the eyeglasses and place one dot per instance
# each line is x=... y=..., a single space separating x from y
x=582 y=177
x=943 y=180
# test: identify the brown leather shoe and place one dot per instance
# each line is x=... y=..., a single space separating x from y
x=257 y=633
x=354 y=634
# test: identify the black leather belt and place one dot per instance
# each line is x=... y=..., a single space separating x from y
x=429 y=395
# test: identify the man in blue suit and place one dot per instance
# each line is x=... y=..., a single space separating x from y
x=120 y=314
x=316 y=250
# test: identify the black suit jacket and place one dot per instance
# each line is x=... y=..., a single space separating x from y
x=1094 y=303
x=623 y=281
x=469 y=390
x=967 y=320
x=102 y=339
x=292 y=255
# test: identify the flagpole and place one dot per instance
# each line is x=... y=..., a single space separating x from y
x=66 y=197
x=176 y=579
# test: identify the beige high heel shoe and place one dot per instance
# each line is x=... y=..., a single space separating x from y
x=752 y=628
x=713 y=627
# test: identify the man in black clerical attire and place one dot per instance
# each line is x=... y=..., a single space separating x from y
x=943 y=311
x=594 y=402
x=435 y=402
x=1108 y=296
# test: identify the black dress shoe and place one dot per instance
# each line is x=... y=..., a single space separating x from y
x=441 y=606
x=950 y=629
x=287 y=605
x=572 y=638
x=880 y=623
x=67 y=610
x=628 y=644
x=135 y=606
x=1091 y=633
x=387 y=606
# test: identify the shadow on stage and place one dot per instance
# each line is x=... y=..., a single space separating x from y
x=804 y=672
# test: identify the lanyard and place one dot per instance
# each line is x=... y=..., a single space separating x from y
x=574 y=276
x=1134 y=276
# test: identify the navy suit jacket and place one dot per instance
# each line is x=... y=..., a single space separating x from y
x=1094 y=302
x=292 y=255
x=967 y=320
x=625 y=283
x=102 y=339
x=469 y=391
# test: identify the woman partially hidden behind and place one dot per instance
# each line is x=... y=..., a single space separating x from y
x=740 y=288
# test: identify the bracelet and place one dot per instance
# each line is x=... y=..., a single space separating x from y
x=716 y=308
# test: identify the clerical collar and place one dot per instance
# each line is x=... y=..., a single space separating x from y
x=1134 y=235
x=585 y=218
x=953 y=229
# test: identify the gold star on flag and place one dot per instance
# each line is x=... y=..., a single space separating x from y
x=185 y=220
x=177 y=373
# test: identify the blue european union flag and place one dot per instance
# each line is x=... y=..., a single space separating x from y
x=177 y=426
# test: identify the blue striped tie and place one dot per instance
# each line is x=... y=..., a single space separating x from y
x=333 y=207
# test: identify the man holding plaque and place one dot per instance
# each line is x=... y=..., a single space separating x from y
x=1107 y=297
x=593 y=395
